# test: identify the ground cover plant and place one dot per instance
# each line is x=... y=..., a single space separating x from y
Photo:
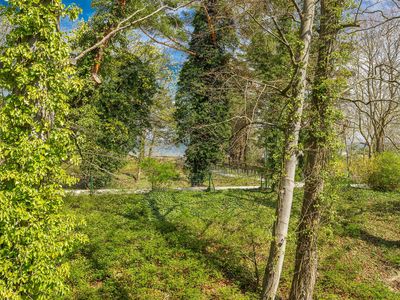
x=198 y=245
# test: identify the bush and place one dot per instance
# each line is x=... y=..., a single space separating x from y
x=385 y=173
x=360 y=169
x=159 y=173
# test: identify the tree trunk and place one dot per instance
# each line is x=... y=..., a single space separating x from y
x=306 y=252
x=141 y=154
x=379 y=139
x=98 y=59
x=286 y=186
x=318 y=147
x=152 y=143
x=348 y=148
x=239 y=142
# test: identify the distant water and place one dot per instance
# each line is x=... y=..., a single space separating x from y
x=169 y=150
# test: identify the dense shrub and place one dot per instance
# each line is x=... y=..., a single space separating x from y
x=159 y=173
x=360 y=169
x=385 y=172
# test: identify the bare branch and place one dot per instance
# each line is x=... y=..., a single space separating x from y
x=176 y=47
x=126 y=24
x=298 y=9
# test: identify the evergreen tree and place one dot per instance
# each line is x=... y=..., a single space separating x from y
x=201 y=101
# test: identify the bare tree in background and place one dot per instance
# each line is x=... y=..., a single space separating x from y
x=373 y=102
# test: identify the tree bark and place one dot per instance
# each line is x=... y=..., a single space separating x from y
x=98 y=59
x=100 y=50
x=239 y=142
x=141 y=154
x=286 y=186
x=380 y=139
x=306 y=252
x=318 y=147
x=152 y=143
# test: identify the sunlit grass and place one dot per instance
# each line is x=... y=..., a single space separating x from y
x=197 y=245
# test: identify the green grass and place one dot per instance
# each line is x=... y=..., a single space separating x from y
x=124 y=178
x=197 y=245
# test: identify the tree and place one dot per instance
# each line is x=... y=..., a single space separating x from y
x=202 y=104
x=320 y=136
x=271 y=59
x=159 y=173
x=373 y=103
x=113 y=18
x=293 y=124
x=34 y=143
x=121 y=74
x=162 y=123
x=110 y=118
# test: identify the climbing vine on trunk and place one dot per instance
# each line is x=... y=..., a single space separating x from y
x=320 y=141
x=36 y=79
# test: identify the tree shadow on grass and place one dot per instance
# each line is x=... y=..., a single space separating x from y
x=221 y=256
x=266 y=199
x=119 y=291
x=105 y=285
x=378 y=241
x=387 y=207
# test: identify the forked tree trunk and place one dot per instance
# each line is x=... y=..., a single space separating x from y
x=306 y=252
x=318 y=147
x=286 y=186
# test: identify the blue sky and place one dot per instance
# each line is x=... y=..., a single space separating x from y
x=84 y=4
x=87 y=11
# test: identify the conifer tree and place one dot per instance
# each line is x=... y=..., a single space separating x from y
x=202 y=104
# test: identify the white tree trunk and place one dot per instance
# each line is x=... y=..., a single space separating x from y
x=286 y=185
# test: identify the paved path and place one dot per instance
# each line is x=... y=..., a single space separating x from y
x=144 y=191
x=108 y=191
x=217 y=188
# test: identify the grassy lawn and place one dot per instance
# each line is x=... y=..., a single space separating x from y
x=197 y=245
x=124 y=178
